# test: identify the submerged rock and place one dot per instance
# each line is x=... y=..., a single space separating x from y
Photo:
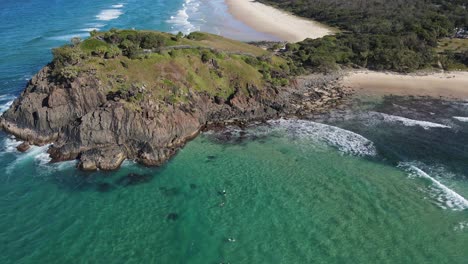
x=172 y=216
x=104 y=187
x=134 y=179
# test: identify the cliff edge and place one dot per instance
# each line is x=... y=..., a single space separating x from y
x=141 y=95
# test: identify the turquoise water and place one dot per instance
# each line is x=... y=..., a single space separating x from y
x=371 y=183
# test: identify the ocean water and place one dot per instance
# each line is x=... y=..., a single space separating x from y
x=381 y=180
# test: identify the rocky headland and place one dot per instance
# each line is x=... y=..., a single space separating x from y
x=141 y=95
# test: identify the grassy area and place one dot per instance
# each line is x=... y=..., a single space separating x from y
x=161 y=66
x=453 y=44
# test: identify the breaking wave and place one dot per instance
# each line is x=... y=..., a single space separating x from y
x=410 y=122
x=110 y=14
x=181 y=21
x=69 y=36
x=5 y=102
x=443 y=196
x=461 y=118
x=305 y=131
x=344 y=140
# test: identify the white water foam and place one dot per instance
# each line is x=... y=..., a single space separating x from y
x=34 y=153
x=110 y=14
x=443 y=195
x=461 y=226
x=69 y=37
x=460 y=118
x=43 y=158
x=10 y=144
x=344 y=140
x=5 y=106
x=6 y=100
x=411 y=122
x=181 y=21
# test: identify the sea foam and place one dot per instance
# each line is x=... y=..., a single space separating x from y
x=344 y=140
x=5 y=102
x=443 y=196
x=460 y=118
x=410 y=122
x=181 y=21
x=110 y=14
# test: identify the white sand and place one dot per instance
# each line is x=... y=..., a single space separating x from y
x=275 y=22
x=452 y=85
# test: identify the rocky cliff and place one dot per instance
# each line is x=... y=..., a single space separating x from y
x=105 y=114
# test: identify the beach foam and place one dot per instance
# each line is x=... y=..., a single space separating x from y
x=410 y=122
x=181 y=21
x=344 y=140
x=460 y=118
x=443 y=196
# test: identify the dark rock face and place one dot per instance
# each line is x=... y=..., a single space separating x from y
x=23 y=147
x=84 y=121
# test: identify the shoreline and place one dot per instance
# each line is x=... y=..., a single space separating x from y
x=272 y=21
x=450 y=85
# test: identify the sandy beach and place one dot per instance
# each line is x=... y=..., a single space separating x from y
x=453 y=85
x=275 y=22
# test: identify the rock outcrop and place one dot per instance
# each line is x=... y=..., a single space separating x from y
x=82 y=120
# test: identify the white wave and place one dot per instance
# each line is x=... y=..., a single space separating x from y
x=118 y=6
x=10 y=144
x=411 y=122
x=43 y=158
x=109 y=14
x=344 y=140
x=460 y=118
x=34 y=153
x=5 y=106
x=69 y=37
x=89 y=29
x=181 y=21
x=6 y=100
x=443 y=195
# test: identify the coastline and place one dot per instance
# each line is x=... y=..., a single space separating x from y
x=281 y=24
x=450 y=85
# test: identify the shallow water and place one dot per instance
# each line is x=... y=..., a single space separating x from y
x=381 y=181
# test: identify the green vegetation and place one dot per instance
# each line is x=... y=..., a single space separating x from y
x=133 y=65
x=381 y=35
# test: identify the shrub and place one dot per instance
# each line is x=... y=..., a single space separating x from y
x=66 y=56
x=152 y=41
x=113 y=52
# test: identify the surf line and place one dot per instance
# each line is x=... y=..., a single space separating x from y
x=462 y=202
